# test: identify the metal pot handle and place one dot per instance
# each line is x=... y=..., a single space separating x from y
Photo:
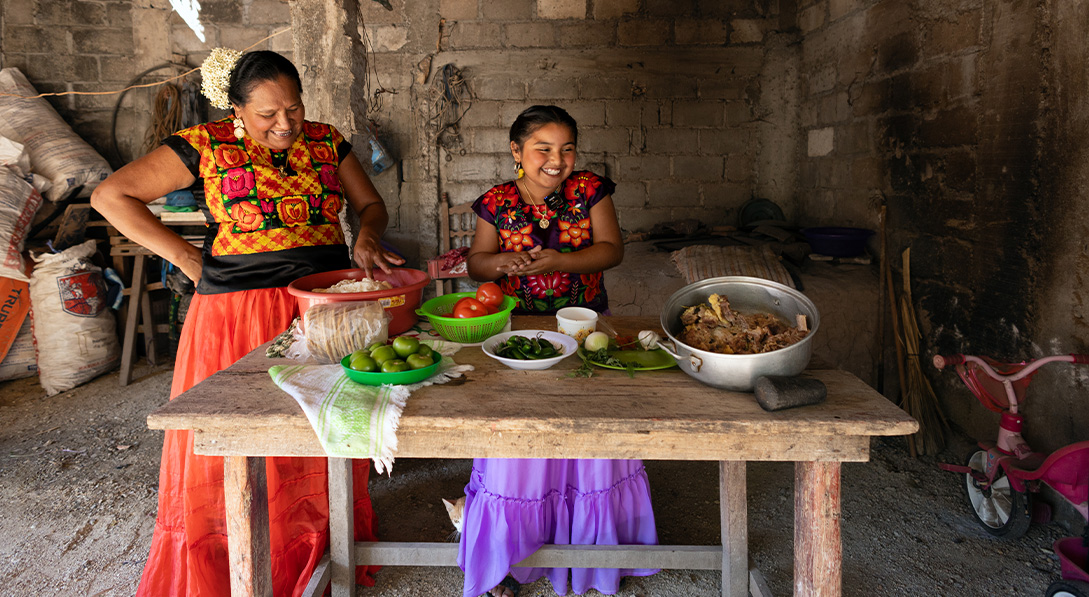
x=693 y=361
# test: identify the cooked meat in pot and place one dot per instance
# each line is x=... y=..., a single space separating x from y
x=715 y=327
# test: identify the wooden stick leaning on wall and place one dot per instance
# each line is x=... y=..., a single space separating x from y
x=900 y=367
x=919 y=399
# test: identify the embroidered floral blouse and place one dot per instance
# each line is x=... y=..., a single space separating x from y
x=272 y=216
x=566 y=229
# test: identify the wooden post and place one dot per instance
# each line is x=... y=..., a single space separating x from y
x=132 y=318
x=246 y=499
x=734 y=516
x=341 y=527
x=817 y=547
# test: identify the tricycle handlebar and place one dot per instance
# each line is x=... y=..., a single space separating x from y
x=943 y=361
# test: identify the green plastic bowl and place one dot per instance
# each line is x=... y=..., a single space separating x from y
x=399 y=378
x=468 y=330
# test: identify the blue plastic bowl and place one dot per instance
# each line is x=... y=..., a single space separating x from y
x=837 y=241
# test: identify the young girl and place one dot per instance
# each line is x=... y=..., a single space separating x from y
x=547 y=236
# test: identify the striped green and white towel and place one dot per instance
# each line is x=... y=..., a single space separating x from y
x=353 y=420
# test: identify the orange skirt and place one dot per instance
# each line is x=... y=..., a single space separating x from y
x=189 y=547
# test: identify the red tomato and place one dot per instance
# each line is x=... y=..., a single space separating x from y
x=469 y=307
x=490 y=294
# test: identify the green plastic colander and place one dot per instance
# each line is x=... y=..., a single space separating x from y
x=468 y=330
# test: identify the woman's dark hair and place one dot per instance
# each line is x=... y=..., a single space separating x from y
x=257 y=67
x=534 y=117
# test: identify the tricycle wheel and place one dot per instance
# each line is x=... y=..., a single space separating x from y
x=1000 y=509
x=1068 y=588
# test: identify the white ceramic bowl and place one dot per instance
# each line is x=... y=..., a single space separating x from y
x=564 y=343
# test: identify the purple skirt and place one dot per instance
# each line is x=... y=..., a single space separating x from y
x=514 y=506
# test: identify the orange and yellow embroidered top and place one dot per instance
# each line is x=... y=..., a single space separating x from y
x=272 y=216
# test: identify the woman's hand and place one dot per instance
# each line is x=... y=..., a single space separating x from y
x=369 y=253
x=514 y=262
x=191 y=264
x=544 y=261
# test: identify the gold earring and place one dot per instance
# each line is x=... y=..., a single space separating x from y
x=519 y=170
x=239 y=129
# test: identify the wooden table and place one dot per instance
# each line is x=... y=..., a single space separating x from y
x=239 y=414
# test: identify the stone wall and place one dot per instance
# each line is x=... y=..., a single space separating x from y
x=965 y=117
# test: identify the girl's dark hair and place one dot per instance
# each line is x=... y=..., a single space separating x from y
x=257 y=67
x=534 y=117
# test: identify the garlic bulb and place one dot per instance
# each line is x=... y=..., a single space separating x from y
x=648 y=339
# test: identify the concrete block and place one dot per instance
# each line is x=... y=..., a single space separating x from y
x=670 y=9
x=701 y=31
x=100 y=41
x=721 y=87
x=698 y=167
x=586 y=113
x=465 y=35
x=673 y=88
x=269 y=12
x=529 y=35
x=813 y=17
x=674 y=194
x=34 y=40
x=642 y=219
x=551 y=89
x=473 y=167
x=88 y=13
x=641 y=33
x=509 y=10
x=726 y=196
x=820 y=142
x=497 y=87
x=606 y=140
x=416 y=169
x=856 y=137
x=629 y=194
x=388 y=38
x=867 y=173
x=837 y=9
x=949 y=128
x=643 y=167
x=961 y=32
x=242 y=36
x=184 y=41
x=599 y=87
x=119 y=14
x=746 y=31
x=121 y=69
x=374 y=13
x=561 y=9
x=739 y=167
x=612 y=9
x=698 y=114
x=18 y=12
x=458 y=10
x=822 y=80
x=725 y=8
x=670 y=140
x=738 y=112
x=487 y=140
x=725 y=141
x=482 y=113
x=626 y=113
x=586 y=34
x=221 y=12
x=53 y=13
x=508 y=111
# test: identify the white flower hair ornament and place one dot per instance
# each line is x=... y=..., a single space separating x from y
x=215 y=74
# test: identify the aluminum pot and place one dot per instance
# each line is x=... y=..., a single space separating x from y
x=739 y=372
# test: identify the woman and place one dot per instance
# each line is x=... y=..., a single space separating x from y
x=548 y=236
x=271 y=185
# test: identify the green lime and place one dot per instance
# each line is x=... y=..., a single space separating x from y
x=419 y=361
x=383 y=354
x=405 y=345
x=363 y=363
x=394 y=366
x=425 y=351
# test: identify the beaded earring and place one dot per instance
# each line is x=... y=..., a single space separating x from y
x=239 y=129
x=519 y=170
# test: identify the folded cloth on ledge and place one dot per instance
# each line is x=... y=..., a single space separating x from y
x=353 y=420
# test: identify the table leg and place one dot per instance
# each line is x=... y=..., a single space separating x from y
x=245 y=496
x=733 y=510
x=341 y=527
x=128 y=345
x=818 y=552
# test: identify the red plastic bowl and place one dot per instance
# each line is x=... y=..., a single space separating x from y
x=400 y=301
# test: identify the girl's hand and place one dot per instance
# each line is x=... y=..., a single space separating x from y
x=369 y=253
x=544 y=261
x=515 y=262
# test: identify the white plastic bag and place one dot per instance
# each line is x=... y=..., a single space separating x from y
x=73 y=327
x=56 y=151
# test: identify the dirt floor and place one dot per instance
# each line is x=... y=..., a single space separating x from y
x=79 y=472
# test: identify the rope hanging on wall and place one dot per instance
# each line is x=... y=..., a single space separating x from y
x=448 y=98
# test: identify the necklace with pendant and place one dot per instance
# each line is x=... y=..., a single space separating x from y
x=543 y=213
x=282 y=167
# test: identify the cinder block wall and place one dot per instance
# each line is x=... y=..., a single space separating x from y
x=100 y=46
x=669 y=98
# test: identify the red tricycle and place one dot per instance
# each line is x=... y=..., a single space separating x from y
x=1002 y=476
